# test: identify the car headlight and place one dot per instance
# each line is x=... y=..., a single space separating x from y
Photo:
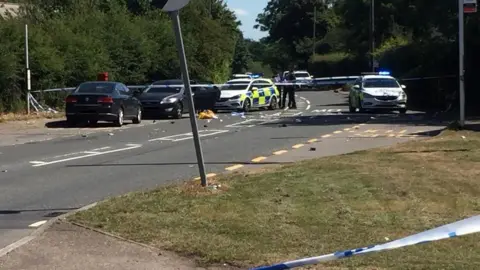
x=366 y=95
x=235 y=97
x=402 y=96
x=169 y=100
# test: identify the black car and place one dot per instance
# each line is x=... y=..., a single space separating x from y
x=168 y=98
x=102 y=101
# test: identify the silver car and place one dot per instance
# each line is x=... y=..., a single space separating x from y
x=372 y=92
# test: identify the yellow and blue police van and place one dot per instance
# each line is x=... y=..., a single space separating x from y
x=246 y=94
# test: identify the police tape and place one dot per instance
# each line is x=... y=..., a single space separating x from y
x=69 y=89
x=459 y=228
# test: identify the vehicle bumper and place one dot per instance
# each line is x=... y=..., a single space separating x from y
x=233 y=104
x=92 y=116
x=101 y=112
x=158 y=109
x=372 y=103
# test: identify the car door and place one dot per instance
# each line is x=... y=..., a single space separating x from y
x=255 y=89
x=126 y=99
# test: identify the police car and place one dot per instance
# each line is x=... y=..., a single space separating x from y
x=373 y=91
x=245 y=94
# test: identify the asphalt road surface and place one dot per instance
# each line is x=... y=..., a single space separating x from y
x=45 y=179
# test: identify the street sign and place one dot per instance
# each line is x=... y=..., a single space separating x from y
x=169 y=5
x=469 y=6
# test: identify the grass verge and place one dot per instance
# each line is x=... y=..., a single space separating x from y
x=7 y=117
x=316 y=207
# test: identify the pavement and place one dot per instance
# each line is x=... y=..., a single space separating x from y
x=40 y=180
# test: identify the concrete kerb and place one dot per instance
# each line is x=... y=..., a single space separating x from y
x=37 y=232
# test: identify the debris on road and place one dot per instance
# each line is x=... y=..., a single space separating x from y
x=207 y=114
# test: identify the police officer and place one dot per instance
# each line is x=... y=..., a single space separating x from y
x=290 y=90
x=284 y=91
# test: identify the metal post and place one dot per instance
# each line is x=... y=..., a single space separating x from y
x=27 y=69
x=186 y=81
x=314 y=28
x=461 y=59
x=372 y=34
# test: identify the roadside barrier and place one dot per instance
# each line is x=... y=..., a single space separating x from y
x=459 y=228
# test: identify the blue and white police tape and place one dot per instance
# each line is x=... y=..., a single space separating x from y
x=459 y=228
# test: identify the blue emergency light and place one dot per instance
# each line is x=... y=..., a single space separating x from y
x=386 y=73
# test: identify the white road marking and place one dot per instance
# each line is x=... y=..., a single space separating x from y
x=91 y=152
x=37 y=224
x=37 y=162
x=129 y=147
x=188 y=136
x=308 y=106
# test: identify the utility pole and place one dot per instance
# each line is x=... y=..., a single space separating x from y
x=314 y=29
x=27 y=70
x=372 y=34
x=461 y=59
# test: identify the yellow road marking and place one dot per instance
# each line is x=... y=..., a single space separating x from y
x=356 y=127
x=326 y=136
x=375 y=135
x=280 y=152
x=234 y=167
x=347 y=129
x=362 y=124
x=338 y=132
x=403 y=131
x=389 y=131
x=371 y=131
x=258 y=159
x=208 y=176
x=312 y=140
x=296 y=146
x=391 y=135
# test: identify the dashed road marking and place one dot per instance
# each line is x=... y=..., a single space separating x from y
x=37 y=224
x=45 y=163
x=389 y=131
x=281 y=152
x=209 y=175
x=327 y=136
x=347 y=129
x=258 y=159
x=234 y=167
x=312 y=140
x=296 y=146
x=188 y=136
x=403 y=131
x=338 y=132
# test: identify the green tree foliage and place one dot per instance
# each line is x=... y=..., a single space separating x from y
x=71 y=41
x=412 y=39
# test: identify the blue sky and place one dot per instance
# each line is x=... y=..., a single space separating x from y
x=247 y=11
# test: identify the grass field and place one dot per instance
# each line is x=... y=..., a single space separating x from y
x=23 y=116
x=316 y=207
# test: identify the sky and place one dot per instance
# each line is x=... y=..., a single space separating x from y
x=247 y=11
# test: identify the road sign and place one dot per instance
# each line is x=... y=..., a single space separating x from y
x=469 y=6
x=169 y=5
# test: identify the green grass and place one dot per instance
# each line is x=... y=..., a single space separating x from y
x=316 y=207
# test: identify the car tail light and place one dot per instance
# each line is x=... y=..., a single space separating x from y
x=71 y=100
x=105 y=100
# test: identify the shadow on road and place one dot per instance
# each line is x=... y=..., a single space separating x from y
x=50 y=212
x=334 y=105
x=63 y=124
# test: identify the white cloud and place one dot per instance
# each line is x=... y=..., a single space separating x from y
x=240 y=12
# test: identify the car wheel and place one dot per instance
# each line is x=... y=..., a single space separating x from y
x=138 y=118
x=71 y=122
x=120 y=116
x=273 y=104
x=402 y=111
x=178 y=111
x=247 y=106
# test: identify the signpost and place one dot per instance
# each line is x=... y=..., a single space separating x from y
x=464 y=6
x=173 y=7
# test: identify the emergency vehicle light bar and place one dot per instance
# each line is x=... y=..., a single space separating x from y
x=386 y=73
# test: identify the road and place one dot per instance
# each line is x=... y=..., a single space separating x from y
x=45 y=179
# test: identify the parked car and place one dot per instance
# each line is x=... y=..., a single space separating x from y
x=102 y=101
x=168 y=98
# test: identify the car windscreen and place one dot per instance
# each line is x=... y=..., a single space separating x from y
x=162 y=89
x=301 y=75
x=380 y=83
x=234 y=86
x=96 y=88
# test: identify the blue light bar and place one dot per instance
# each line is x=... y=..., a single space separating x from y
x=384 y=73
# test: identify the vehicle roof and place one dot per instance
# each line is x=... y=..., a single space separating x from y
x=298 y=71
x=242 y=80
x=378 y=77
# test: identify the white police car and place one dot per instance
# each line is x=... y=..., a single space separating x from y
x=375 y=91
